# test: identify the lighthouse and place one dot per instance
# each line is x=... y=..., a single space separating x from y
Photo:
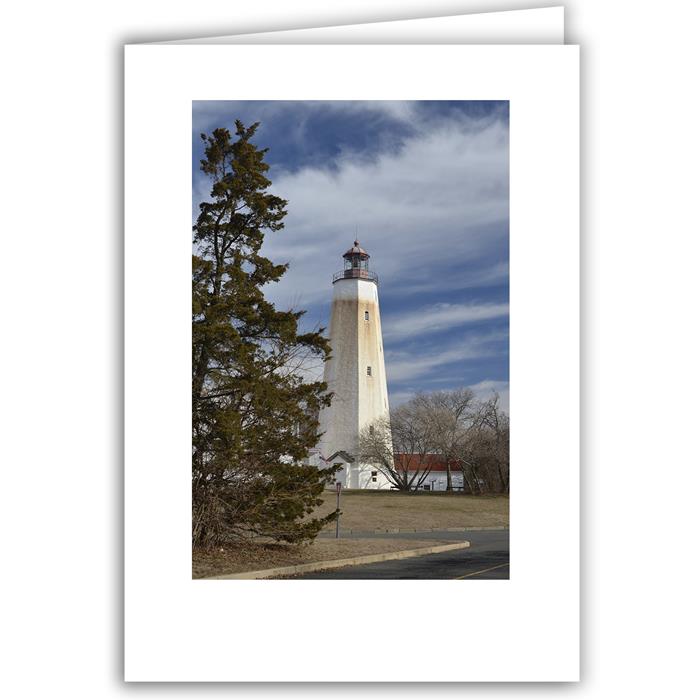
x=355 y=372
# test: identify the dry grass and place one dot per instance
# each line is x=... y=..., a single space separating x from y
x=256 y=556
x=362 y=510
x=372 y=510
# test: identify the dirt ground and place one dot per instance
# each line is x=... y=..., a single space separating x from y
x=253 y=557
x=372 y=510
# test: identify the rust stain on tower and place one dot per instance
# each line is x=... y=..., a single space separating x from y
x=355 y=373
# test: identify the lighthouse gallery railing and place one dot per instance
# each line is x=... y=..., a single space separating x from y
x=356 y=273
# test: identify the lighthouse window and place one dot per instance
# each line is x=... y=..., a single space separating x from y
x=366 y=315
x=369 y=371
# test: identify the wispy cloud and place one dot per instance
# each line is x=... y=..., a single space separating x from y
x=439 y=198
x=208 y=114
x=413 y=364
x=482 y=390
x=438 y=317
x=486 y=389
x=448 y=183
x=453 y=279
x=425 y=185
x=396 y=398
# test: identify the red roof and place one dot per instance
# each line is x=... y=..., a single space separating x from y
x=404 y=461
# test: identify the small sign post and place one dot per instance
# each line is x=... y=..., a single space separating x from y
x=338 y=487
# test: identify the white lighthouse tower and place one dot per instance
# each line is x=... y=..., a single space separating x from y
x=355 y=373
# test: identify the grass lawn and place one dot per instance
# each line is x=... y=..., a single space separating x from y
x=361 y=510
x=373 y=510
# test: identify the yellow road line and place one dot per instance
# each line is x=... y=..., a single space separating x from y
x=483 y=571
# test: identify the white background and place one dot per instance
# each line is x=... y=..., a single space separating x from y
x=62 y=225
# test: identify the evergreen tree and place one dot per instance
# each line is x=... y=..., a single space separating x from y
x=254 y=417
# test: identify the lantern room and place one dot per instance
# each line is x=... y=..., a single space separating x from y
x=356 y=265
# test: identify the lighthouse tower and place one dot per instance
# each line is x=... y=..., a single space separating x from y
x=355 y=373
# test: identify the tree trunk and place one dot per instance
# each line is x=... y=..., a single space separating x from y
x=449 y=474
x=501 y=477
x=475 y=476
x=200 y=374
x=468 y=481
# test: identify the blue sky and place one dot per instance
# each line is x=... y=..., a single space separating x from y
x=425 y=185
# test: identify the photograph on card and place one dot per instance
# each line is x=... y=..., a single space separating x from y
x=350 y=340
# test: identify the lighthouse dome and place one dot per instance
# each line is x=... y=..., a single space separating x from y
x=356 y=250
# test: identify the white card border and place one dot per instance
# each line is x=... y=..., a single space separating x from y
x=525 y=629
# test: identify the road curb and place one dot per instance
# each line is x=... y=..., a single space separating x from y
x=338 y=563
x=398 y=530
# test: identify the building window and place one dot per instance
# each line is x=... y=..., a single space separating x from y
x=374 y=478
x=371 y=430
x=369 y=371
x=366 y=315
x=374 y=474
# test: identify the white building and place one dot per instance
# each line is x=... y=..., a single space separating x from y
x=429 y=470
x=355 y=373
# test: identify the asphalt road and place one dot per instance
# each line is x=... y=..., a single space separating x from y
x=487 y=558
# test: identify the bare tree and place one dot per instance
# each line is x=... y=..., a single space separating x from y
x=400 y=448
x=494 y=427
x=463 y=433
x=483 y=455
x=449 y=415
